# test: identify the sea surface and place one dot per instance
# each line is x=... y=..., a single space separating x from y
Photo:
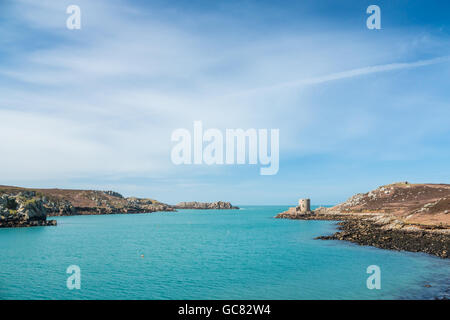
x=210 y=254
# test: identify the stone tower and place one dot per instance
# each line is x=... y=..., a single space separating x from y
x=304 y=205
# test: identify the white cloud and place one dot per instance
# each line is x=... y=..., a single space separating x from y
x=347 y=74
x=104 y=100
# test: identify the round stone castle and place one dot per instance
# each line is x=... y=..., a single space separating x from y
x=304 y=206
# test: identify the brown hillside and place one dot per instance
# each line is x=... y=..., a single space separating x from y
x=71 y=202
x=427 y=204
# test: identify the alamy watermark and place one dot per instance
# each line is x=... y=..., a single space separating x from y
x=240 y=147
x=74 y=280
x=74 y=20
x=374 y=20
x=373 y=281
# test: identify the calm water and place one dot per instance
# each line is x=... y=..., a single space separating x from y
x=213 y=254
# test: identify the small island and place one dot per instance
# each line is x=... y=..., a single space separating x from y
x=205 y=205
x=399 y=216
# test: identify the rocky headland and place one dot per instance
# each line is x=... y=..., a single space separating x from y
x=205 y=205
x=399 y=216
x=30 y=207
x=23 y=209
x=65 y=202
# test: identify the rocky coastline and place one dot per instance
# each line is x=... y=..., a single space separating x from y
x=205 y=205
x=400 y=216
x=24 y=209
x=365 y=232
x=370 y=231
x=43 y=203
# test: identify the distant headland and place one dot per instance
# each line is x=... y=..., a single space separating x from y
x=205 y=205
x=399 y=216
x=24 y=207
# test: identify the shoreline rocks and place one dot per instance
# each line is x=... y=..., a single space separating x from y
x=365 y=232
x=205 y=205
x=368 y=232
x=24 y=209
x=23 y=224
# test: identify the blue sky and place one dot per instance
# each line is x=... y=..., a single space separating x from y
x=95 y=108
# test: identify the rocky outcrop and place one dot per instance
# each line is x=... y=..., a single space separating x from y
x=205 y=205
x=418 y=204
x=368 y=232
x=24 y=209
x=64 y=202
x=399 y=216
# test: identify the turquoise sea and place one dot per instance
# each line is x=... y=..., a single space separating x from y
x=211 y=254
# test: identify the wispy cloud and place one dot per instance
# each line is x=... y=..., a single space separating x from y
x=347 y=74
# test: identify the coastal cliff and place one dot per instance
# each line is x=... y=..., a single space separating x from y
x=65 y=202
x=23 y=209
x=205 y=205
x=399 y=216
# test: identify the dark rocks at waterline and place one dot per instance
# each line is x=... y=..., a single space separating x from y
x=23 y=223
x=381 y=231
x=205 y=205
x=365 y=232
